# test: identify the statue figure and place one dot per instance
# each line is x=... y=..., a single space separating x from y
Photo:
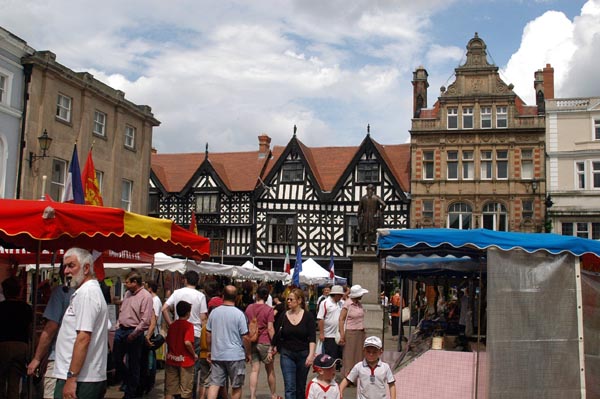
x=370 y=217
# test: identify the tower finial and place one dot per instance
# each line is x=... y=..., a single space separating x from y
x=368 y=129
x=206 y=151
x=295 y=129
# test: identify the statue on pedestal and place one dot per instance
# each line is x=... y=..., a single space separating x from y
x=370 y=218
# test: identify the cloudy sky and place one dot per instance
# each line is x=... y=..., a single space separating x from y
x=223 y=72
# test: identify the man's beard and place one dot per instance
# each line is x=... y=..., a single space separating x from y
x=78 y=278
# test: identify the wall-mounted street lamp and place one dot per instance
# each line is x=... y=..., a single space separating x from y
x=45 y=142
x=534 y=185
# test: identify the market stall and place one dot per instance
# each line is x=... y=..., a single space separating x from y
x=535 y=313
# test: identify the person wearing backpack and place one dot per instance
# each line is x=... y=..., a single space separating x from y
x=260 y=332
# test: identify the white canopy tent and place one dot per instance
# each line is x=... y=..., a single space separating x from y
x=313 y=273
x=245 y=272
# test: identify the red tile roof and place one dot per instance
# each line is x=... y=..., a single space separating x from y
x=240 y=171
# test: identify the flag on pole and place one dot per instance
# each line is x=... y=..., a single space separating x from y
x=91 y=188
x=287 y=266
x=194 y=224
x=297 y=268
x=73 y=191
x=331 y=269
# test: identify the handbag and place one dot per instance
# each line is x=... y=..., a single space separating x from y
x=157 y=341
x=394 y=308
x=405 y=314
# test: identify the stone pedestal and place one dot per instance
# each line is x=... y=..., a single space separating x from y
x=366 y=272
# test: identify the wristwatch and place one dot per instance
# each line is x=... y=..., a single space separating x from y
x=71 y=374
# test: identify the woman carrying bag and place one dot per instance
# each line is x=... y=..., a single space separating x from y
x=352 y=328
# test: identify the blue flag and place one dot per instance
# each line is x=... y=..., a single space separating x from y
x=73 y=191
x=297 y=267
x=332 y=269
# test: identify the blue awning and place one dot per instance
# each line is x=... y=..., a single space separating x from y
x=392 y=242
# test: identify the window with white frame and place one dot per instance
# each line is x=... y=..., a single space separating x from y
x=100 y=123
x=527 y=209
x=100 y=180
x=501 y=117
x=468 y=165
x=57 y=182
x=502 y=164
x=596 y=174
x=3 y=88
x=126 y=194
x=467 y=117
x=527 y=164
x=452 y=165
x=580 y=175
x=129 y=137
x=486 y=117
x=460 y=216
x=428 y=165
x=63 y=107
x=428 y=209
x=207 y=203
x=589 y=230
x=495 y=217
x=486 y=165
x=596 y=129
x=452 y=118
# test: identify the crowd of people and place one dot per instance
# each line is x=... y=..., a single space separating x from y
x=211 y=330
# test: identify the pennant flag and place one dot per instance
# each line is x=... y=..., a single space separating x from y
x=73 y=192
x=91 y=187
x=287 y=266
x=331 y=269
x=297 y=267
x=194 y=224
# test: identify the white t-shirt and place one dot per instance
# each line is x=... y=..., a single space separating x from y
x=198 y=301
x=315 y=390
x=329 y=312
x=372 y=382
x=86 y=312
x=157 y=305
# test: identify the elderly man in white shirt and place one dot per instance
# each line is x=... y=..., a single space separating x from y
x=328 y=319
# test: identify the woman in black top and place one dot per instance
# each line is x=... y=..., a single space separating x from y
x=296 y=337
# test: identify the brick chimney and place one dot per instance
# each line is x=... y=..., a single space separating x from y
x=420 y=86
x=548 y=73
x=264 y=145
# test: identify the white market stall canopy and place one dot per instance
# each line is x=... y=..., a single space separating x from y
x=313 y=273
x=245 y=272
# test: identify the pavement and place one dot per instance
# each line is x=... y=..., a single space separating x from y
x=390 y=345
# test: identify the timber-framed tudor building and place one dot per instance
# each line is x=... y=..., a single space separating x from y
x=476 y=160
x=258 y=205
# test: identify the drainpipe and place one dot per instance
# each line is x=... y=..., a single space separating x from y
x=27 y=72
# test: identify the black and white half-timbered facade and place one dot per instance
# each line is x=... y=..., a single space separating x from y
x=257 y=205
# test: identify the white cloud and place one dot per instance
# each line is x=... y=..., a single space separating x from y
x=546 y=40
x=438 y=54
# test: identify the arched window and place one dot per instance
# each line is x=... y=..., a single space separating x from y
x=495 y=217
x=460 y=216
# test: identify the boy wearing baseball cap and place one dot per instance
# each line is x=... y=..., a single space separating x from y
x=372 y=374
x=323 y=386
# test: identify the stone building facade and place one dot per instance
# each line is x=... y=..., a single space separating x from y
x=573 y=165
x=477 y=155
x=74 y=107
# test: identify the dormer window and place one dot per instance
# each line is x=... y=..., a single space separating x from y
x=292 y=172
x=207 y=203
x=367 y=172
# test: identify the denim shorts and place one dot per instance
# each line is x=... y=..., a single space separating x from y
x=222 y=369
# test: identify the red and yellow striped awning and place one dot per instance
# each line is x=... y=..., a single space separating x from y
x=45 y=225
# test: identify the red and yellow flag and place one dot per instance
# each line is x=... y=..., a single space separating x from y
x=194 y=224
x=91 y=189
